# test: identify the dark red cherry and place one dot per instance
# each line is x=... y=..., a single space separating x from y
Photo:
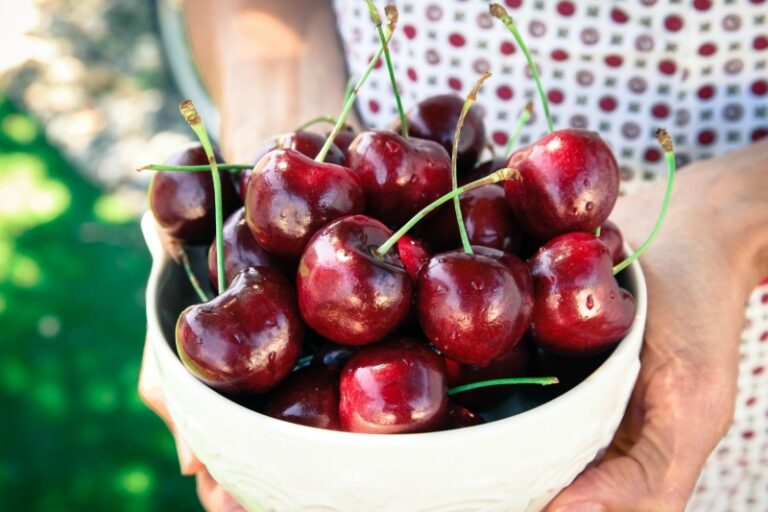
x=247 y=339
x=306 y=143
x=347 y=294
x=183 y=202
x=344 y=139
x=413 y=253
x=569 y=181
x=488 y=219
x=435 y=119
x=461 y=417
x=394 y=387
x=334 y=355
x=241 y=250
x=483 y=169
x=591 y=313
x=611 y=237
x=290 y=196
x=399 y=176
x=474 y=307
x=512 y=363
x=309 y=396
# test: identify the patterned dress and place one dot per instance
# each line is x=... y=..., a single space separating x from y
x=623 y=68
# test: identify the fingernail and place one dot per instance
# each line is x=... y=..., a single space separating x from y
x=187 y=459
x=582 y=506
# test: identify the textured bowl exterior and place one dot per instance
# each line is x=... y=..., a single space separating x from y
x=515 y=464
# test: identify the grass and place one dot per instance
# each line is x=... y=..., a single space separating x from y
x=74 y=434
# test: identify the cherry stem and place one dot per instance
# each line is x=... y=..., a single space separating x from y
x=316 y=120
x=184 y=260
x=500 y=175
x=522 y=120
x=349 y=88
x=501 y=13
x=193 y=119
x=598 y=231
x=669 y=155
x=304 y=361
x=392 y=16
x=542 y=381
x=350 y=101
x=194 y=168
x=471 y=98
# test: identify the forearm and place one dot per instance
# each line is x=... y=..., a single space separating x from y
x=270 y=65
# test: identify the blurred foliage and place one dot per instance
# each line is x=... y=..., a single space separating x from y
x=73 y=267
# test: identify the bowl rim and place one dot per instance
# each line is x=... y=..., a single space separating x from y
x=168 y=360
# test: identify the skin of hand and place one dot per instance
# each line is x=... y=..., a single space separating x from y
x=710 y=254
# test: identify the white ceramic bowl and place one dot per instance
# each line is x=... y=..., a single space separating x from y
x=513 y=464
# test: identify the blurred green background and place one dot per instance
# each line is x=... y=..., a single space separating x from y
x=74 y=434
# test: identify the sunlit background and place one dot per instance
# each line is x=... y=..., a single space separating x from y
x=85 y=98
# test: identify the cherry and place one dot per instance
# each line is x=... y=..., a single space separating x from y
x=413 y=253
x=346 y=293
x=400 y=176
x=306 y=143
x=334 y=355
x=344 y=139
x=611 y=237
x=241 y=250
x=183 y=203
x=591 y=313
x=461 y=417
x=512 y=363
x=474 y=307
x=435 y=119
x=290 y=196
x=483 y=169
x=488 y=219
x=309 y=396
x=394 y=387
x=247 y=339
x=570 y=182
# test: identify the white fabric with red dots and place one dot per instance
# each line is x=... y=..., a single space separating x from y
x=623 y=68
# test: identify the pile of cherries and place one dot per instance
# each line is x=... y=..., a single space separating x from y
x=333 y=323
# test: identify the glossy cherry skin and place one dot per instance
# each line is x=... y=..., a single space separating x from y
x=612 y=238
x=347 y=294
x=488 y=219
x=290 y=196
x=414 y=254
x=344 y=139
x=435 y=119
x=461 y=417
x=183 y=202
x=394 y=387
x=569 y=182
x=247 y=339
x=512 y=363
x=334 y=355
x=306 y=143
x=241 y=250
x=579 y=307
x=399 y=176
x=474 y=307
x=309 y=396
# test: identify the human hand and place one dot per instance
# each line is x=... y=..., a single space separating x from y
x=699 y=273
x=212 y=496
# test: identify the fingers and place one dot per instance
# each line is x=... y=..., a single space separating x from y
x=152 y=395
x=213 y=497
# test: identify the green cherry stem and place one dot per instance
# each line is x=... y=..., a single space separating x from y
x=669 y=155
x=350 y=101
x=304 y=361
x=314 y=121
x=500 y=175
x=598 y=231
x=349 y=88
x=471 y=98
x=184 y=260
x=541 y=381
x=522 y=120
x=194 y=168
x=392 y=16
x=501 y=13
x=193 y=119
